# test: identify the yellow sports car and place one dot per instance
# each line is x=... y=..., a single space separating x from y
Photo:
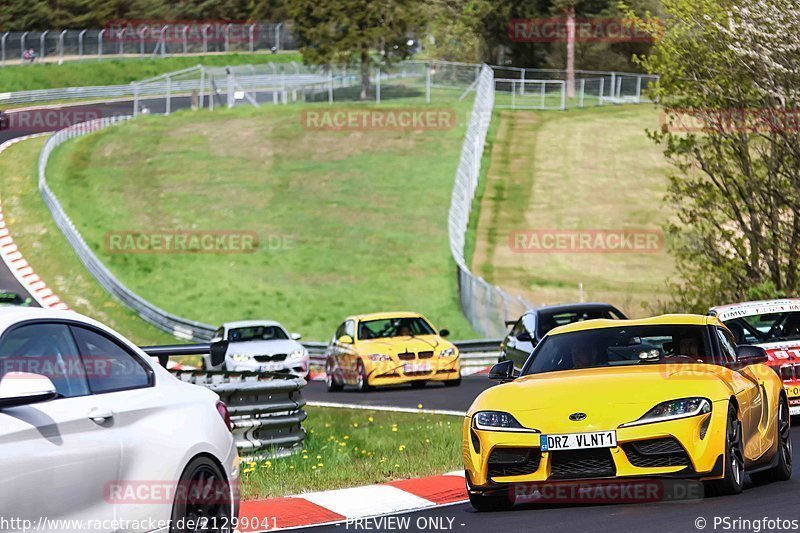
x=669 y=396
x=387 y=349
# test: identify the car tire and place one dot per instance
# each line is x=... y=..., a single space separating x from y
x=362 y=380
x=190 y=507
x=490 y=502
x=452 y=382
x=333 y=384
x=783 y=470
x=418 y=384
x=733 y=482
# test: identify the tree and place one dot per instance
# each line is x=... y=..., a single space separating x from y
x=729 y=71
x=362 y=32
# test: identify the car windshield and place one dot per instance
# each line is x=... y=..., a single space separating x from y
x=257 y=333
x=622 y=346
x=553 y=319
x=769 y=327
x=393 y=327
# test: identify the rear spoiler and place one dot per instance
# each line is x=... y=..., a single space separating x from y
x=216 y=350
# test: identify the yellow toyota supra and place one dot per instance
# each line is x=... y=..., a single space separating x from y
x=670 y=396
x=388 y=349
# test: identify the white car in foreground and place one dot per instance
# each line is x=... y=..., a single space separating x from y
x=258 y=346
x=96 y=436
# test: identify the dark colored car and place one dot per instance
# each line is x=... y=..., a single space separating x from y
x=12 y=298
x=531 y=327
x=3 y=120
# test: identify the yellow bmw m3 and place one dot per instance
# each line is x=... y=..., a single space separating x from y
x=388 y=349
x=670 y=396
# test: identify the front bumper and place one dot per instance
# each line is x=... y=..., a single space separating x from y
x=297 y=367
x=695 y=449
x=433 y=369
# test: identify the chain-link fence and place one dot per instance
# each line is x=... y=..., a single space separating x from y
x=486 y=307
x=144 y=39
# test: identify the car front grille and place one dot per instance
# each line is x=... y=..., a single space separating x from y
x=656 y=453
x=419 y=373
x=270 y=358
x=514 y=461
x=579 y=464
x=407 y=356
x=425 y=355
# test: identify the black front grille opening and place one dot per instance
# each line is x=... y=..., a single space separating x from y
x=476 y=442
x=268 y=358
x=581 y=464
x=654 y=453
x=407 y=356
x=514 y=461
x=425 y=355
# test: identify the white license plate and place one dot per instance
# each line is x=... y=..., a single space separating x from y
x=578 y=441
x=268 y=367
x=794 y=410
x=417 y=367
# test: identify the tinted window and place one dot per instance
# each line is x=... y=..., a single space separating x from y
x=548 y=321
x=394 y=327
x=632 y=345
x=257 y=333
x=46 y=349
x=109 y=366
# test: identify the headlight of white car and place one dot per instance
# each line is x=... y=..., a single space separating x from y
x=297 y=354
x=241 y=357
x=447 y=352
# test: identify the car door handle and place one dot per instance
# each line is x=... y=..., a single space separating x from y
x=99 y=415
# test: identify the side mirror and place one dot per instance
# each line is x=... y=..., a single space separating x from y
x=444 y=333
x=22 y=388
x=524 y=337
x=747 y=354
x=346 y=339
x=218 y=351
x=296 y=336
x=502 y=372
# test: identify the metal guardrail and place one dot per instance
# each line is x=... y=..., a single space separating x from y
x=266 y=410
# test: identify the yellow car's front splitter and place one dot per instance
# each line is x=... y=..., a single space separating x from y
x=684 y=448
x=437 y=370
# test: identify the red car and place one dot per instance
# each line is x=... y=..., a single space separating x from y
x=775 y=326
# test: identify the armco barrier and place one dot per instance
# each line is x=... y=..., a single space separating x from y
x=266 y=409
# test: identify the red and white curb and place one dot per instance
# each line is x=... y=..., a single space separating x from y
x=345 y=505
x=16 y=263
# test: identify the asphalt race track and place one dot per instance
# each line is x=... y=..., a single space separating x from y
x=771 y=501
x=433 y=396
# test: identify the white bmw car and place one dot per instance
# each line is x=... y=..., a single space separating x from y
x=96 y=436
x=259 y=346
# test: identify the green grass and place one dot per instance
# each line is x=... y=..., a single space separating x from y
x=347 y=448
x=579 y=169
x=348 y=222
x=118 y=71
x=46 y=249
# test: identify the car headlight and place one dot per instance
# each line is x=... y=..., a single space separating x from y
x=448 y=352
x=673 y=410
x=297 y=354
x=379 y=357
x=498 y=421
x=241 y=357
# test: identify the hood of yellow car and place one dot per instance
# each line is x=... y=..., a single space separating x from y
x=395 y=345
x=609 y=396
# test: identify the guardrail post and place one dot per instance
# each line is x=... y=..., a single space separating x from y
x=544 y=88
x=278 y=36
x=141 y=41
x=564 y=95
x=638 y=89
x=135 y=99
x=251 y=32
x=100 y=44
x=169 y=95
x=583 y=92
x=229 y=87
x=600 y=100
x=61 y=47
x=522 y=85
x=42 y=50
x=80 y=43
x=184 y=39
x=3 y=48
x=202 y=87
